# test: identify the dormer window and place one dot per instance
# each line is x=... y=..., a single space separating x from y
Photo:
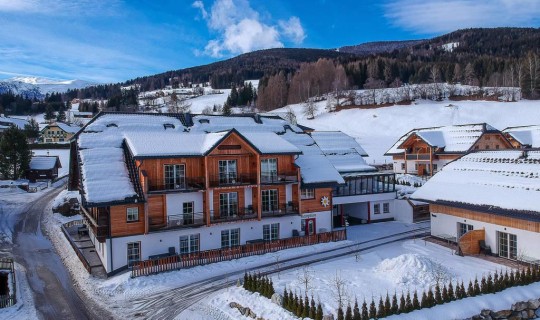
x=112 y=125
x=168 y=126
x=204 y=121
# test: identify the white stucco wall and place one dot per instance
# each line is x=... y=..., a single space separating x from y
x=175 y=201
x=403 y=211
x=527 y=241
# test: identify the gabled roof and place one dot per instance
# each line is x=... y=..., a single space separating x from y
x=45 y=163
x=527 y=136
x=243 y=123
x=508 y=180
x=337 y=142
x=64 y=126
x=452 y=139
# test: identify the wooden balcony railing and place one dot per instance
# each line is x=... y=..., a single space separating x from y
x=282 y=177
x=179 y=221
x=281 y=210
x=148 y=267
x=224 y=180
x=186 y=184
x=239 y=214
x=99 y=228
x=418 y=156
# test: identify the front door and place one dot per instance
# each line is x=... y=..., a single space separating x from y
x=421 y=169
x=310 y=226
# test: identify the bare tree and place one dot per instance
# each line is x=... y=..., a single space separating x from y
x=305 y=277
x=339 y=290
x=178 y=105
x=290 y=116
x=309 y=109
x=207 y=110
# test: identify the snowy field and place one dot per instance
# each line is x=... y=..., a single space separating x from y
x=63 y=154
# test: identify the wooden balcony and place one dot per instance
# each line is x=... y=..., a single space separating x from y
x=282 y=210
x=179 y=221
x=185 y=185
x=281 y=178
x=418 y=156
x=230 y=180
x=99 y=226
x=240 y=214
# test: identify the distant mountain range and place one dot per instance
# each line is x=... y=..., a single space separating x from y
x=377 y=47
x=38 y=87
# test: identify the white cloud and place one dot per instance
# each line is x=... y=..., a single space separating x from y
x=240 y=29
x=437 y=16
x=293 y=30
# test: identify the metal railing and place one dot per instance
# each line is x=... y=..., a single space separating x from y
x=418 y=156
x=179 y=221
x=280 y=210
x=282 y=177
x=223 y=180
x=191 y=183
x=11 y=298
x=233 y=215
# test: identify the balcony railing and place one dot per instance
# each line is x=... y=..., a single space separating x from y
x=281 y=210
x=282 y=177
x=186 y=184
x=179 y=221
x=369 y=184
x=224 y=180
x=418 y=156
x=99 y=228
x=240 y=214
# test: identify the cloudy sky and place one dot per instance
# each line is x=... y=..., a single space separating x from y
x=115 y=40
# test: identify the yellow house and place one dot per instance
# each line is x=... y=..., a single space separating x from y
x=58 y=132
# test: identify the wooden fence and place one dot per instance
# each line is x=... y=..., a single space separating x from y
x=148 y=267
x=11 y=299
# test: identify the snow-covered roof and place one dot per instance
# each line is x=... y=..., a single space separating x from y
x=67 y=128
x=458 y=138
x=165 y=144
x=44 y=162
x=7 y=121
x=508 y=180
x=208 y=123
x=270 y=143
x=528 y=136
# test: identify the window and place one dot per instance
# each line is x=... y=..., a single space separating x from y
x=434 y=167
x=269 y=170
x=227 y=171
x=271 y=231
x=228 y=204
x=507 y=245
x=269 y=200
x=189 y=243
x=497 y=146
x=386 y=207
x=132 y=214
x=403 y=166
x=175 y=176
x=230 y=238
x=377 y=208
x=187 y=211
x=416 y=166
x=463 y=228
x=476 y=148
x=307 y=193
x=487 y=147
x=133 y=253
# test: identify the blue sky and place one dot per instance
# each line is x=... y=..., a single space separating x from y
x=116 y=40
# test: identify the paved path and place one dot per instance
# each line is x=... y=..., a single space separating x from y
x=54 y=295
x=169 y=304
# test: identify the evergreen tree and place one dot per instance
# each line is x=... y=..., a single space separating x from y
x=372 y=310
x=227 y=110
x=349 y=313
x=15 y=153
x=365 y=314
x=295 y=305
x=380 y=309
x=444 y=295
x=49 y=113
x=285 y=299
x=356 y=311
x=512 y=279
x=506 y=280
x=476 y=287
x=395 y=306
x=31 y=129
x=408 y=302
x=61 y=115
x=312 y=309
x=340 y=315
x=402 y=302
x=483 y=286
x=438 y=296
x=529 y=274
x=451 y=293
x=430 y=298
x=470 y=290
x=319 y=314
x=490 y=286
x=415 y=302
x=271 y=290
x=306 y=309
x=246 y=282
x=387 y=305
x=300 y=307
x=462 y=291
x=424 y=302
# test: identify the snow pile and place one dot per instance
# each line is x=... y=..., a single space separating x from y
x=65 y=199
x=413 y=270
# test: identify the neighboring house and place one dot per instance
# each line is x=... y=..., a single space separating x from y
x=425 y=151
x=43 y=168
x=58 y=132
x=6 y=122
x=523 y=136
x=152 y=182
x=492 y=196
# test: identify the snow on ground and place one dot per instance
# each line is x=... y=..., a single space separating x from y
x=63 y=154
x=397 y=267
x=25 y=307
x=208 y=100
x=378 y=129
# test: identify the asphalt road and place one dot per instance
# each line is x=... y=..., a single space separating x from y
x=54 y=295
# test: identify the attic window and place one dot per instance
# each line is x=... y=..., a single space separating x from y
x=168 y=126
x=112 y=125
x=204 y=121
x=230 y=147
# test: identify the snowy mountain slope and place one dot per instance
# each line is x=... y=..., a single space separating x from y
x=36 y=87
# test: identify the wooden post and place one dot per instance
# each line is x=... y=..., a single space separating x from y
x=259 y=199
x=206 y=193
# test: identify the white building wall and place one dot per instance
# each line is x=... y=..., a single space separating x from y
x=397 y=166
x=527 y=241
x=403 y=211
x=248 y=197
x=102 y=249
x=175 y=201
x=288 y=193
x=210 y=237
x=323 y=220
x=378 y=198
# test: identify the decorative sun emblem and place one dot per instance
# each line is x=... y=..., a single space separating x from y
x=325 y=201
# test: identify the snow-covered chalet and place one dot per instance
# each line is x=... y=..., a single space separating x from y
x=153 y=184
x=523 y=136
x=490 y=196
x=425 y=151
